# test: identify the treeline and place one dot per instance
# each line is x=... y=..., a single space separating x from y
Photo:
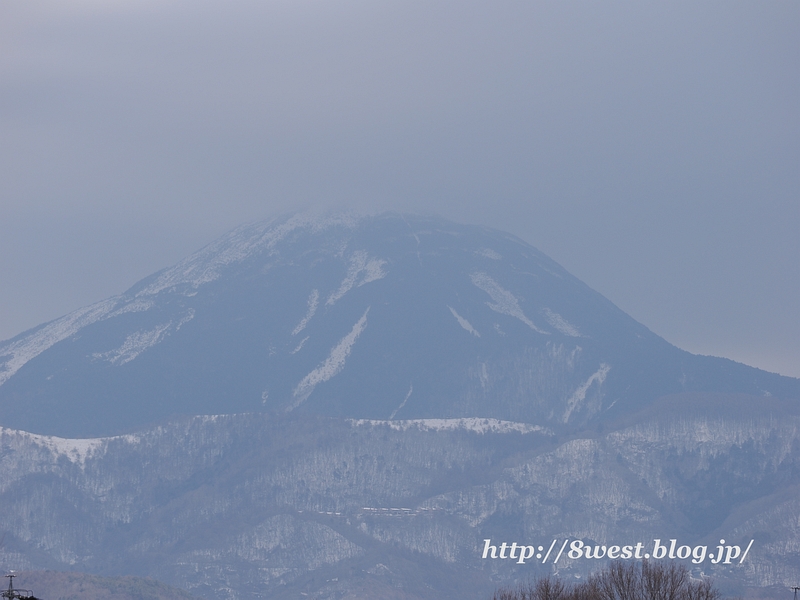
x=619 y=581
x=52 y=585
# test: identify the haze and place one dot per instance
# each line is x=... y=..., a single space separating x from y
x=650 y=148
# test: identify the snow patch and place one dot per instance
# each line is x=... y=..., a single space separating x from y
x=134 y=345
x=403 y=403
x=489 y=253
x=475 y=424
x=137 y=305
x=463 y=322
x=561 y=324
x=330 y=366
x=299 y=346
x=360 y=271
x=185 y=319
x=313 y=302
x=579 y=395
x=504 y=302
x=139 y=341
x=75 y=450
x=15 y=354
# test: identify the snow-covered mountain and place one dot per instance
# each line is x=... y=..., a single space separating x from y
x=265 y=506
x=333 y=406
x=387 y=317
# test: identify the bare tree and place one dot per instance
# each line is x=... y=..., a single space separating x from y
x=548 y=588
x=664 y=581
x=545 y=588
x=620 y=581
x=702 y=590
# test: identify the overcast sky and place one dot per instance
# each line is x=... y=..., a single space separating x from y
x=651 y=148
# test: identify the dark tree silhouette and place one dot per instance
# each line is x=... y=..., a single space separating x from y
x=619 y=581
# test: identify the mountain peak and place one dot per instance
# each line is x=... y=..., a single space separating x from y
x=387 y=316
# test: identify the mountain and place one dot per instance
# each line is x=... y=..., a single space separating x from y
x=381 y=317
x=331 y=406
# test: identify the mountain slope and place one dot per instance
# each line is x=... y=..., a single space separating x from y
x=254 y=506
x=393 y=316
x=348 y=407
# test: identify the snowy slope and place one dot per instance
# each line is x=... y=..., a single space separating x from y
x=384 y=317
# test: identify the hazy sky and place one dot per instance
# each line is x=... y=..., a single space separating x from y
x=651 y=148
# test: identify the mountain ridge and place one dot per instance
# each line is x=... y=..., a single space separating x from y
x=373 y=317
x=246 y=506
x=345 y=407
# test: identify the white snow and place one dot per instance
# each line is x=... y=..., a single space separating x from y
x=489 y=253
x=206 y=265
x=300 y=345
x=579 y=395
x=476 y=424
x=463 y=322
x=561 y=324
x=134 y=345
x=313 y=302
x=76 y=450
x=185 y=319
x=504 y=302
x=137 y=305
x=330 y=366
x=362 y=269
x=403 y=403
x=139 y=341
x=17 y=353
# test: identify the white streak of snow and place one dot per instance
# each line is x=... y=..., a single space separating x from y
x=561 y=324
x=313 y=302
x=361 y=270
x=484 y=376
x=19 y=352
x=463 y=322
x=579 y=395
x=137 y=305
x=139 y=341
x=185 y=319
x=300 y=345
x=134 y=345
x=330 y=366
x=504 y=302
x=476 y=424
x=403 y=403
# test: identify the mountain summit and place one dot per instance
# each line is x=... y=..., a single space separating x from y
x=383 y=317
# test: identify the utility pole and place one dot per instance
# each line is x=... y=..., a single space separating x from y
x=795 y=588
x=13 y=594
